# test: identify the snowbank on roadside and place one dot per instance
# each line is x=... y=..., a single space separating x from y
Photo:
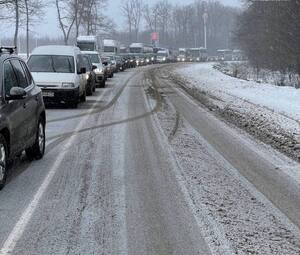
x=284 y=100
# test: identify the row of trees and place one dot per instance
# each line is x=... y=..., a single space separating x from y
x=179 y=25
x=73 y=16
x=269 y=33
x=21 y=12
x=82 y=16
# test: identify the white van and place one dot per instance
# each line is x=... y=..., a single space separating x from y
x=59 y=71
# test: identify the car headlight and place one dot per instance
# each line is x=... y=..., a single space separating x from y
x=147 y=60
x=99 y=71
x=164 y=59
x=68 y=85
x=87 y=76
x=183 y=59
x=152 y=58
x=198 y=59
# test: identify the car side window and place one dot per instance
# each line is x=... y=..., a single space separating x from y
x=23 y=83
x=10 y=78
x=86 y=63
x=27 y=72
x=79 y=62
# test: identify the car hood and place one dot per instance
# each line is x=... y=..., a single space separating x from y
x=53 y=79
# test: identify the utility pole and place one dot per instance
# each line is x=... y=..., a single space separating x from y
x=205 y=17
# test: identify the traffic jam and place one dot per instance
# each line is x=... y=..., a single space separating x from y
x=63 y=76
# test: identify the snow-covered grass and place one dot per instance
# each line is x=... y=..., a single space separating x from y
x=284 y=100
x=244 y=71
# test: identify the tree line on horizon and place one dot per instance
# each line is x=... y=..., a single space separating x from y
x=179 y=25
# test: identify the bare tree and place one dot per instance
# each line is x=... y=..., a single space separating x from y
x=133 y=11
x=66 y=18
x=33 y=9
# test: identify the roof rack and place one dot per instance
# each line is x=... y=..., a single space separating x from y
x=8 y=49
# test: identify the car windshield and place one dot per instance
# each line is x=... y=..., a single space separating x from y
x=135 y=50
x=51 y=64
x=94 y=58
x=86 y=46
x=109 y=49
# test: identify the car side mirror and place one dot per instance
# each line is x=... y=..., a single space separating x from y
x=82 y=70
x=16 y=93
x=94 y=67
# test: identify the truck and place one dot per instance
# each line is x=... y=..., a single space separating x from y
x=111 y=47
x=163 y=56
x=183 y=54
x=89 y=43
x=225 y=55
x=198 y=54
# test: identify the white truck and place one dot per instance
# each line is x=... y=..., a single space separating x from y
x=111 y=47
x=163 y=56
x=182 y=57
x=198 y=54
x=89 y=43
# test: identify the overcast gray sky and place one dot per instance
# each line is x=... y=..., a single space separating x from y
x=49 y=25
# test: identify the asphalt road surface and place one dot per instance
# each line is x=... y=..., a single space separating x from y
x=108 y=182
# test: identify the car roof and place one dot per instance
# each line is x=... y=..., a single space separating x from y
x=56 y=50
x=90 y=52
x=5 y=56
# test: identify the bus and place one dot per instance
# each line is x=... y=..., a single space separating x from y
x=140 y=48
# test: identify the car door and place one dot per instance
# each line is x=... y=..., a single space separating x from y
x=82 y=77
x=29 y=103
x=14 y=110
x=33 y=101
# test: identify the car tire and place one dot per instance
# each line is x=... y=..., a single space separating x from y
x=89 y=91
x=74 y=104
x=102 y=84
x=3 y=161
x=37 y=150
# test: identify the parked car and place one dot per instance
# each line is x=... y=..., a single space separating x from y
x=90 y=75
x=22 y=112
x=60 y=73
x=99 y=71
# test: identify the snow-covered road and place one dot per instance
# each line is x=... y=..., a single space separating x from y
x=143 y=168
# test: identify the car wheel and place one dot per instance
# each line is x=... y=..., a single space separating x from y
x=37 y=150
x=89 y=91
x=3 y=161
x=103 y=84
x=74 y=104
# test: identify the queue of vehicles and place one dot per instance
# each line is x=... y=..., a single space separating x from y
x=52 y=74
x=67 y=74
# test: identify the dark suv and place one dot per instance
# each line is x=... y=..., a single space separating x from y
x=22 y=112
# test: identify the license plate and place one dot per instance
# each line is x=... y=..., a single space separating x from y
x=48 y=94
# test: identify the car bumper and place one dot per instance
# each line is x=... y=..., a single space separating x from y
x=99 y=78
x=60 y=95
